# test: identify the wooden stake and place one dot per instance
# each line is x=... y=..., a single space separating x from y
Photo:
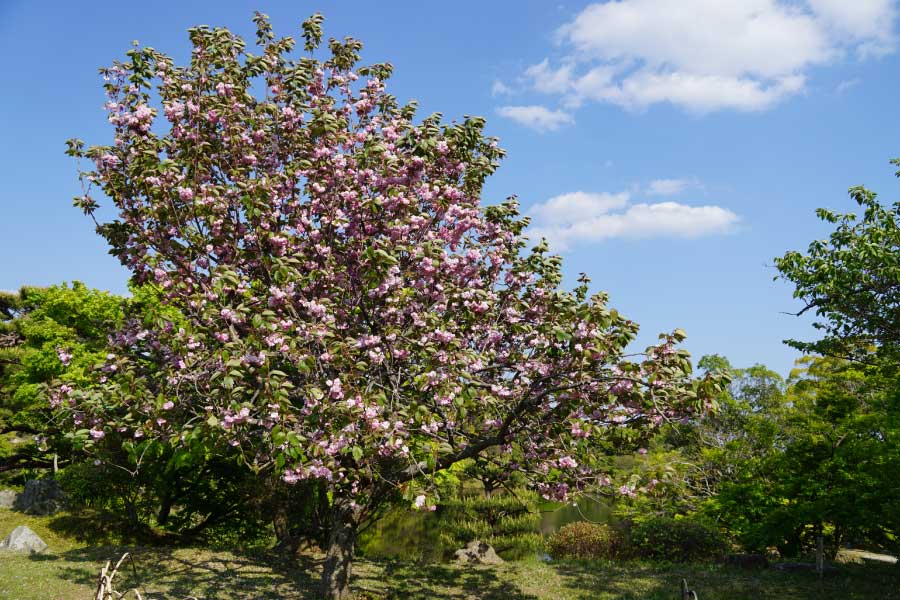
x=820 y=554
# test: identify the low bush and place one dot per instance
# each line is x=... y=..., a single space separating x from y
x=678 y=540
x=586 y=540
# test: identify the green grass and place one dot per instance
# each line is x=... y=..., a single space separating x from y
x=67 y=571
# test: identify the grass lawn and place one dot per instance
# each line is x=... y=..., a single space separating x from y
x=68 y=569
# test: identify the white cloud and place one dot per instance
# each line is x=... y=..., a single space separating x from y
x=707 y=55
x=550 y=81
x=668 y=187
x=576 y=217
x=847 y=84
x=568 y=208
x=869 y=22
x=498 y=88
x=699 y=93
x=536 y=117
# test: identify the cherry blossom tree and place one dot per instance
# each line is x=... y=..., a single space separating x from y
x=344 y=310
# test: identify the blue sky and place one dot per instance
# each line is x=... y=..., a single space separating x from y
x=669 y=149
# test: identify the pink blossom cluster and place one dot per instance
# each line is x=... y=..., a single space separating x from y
x=347 y=309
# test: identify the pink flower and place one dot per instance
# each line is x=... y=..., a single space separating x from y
x=97 y=434
x=336 y=390
x=109 y=160
x=168 y=405
x=567 y=462
x=143 y=113
x=627 y=490
x=419 y=502
x=174 y=110
x=64 y=357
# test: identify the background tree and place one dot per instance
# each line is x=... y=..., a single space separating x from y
x=852 y=281
x=349 y=313
x=831 y=469
x=688 y=461
x=45 y=334
x=61 y=332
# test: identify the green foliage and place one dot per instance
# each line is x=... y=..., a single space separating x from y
x=36 y=325
x=852 y=281
x=585 y=540
x=838 y=471
x=678 y=540
x=507 y=521
x=137 y=484
x=687 y=463
x=820 y=455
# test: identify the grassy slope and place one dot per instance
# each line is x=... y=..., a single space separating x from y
x=68 y=569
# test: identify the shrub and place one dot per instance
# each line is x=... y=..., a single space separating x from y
x=676 y=540
x=583 y=539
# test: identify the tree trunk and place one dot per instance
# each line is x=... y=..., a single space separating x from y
x=820 y=552
x=281 y=523
x=339 y=557
x=165 y=509
x=131 y=511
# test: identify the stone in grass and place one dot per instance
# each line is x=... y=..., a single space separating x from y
x=8 y=498
x=41 y=497
x=477 y=552
x=23 y=539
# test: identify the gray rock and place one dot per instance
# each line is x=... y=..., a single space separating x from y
x=23 y=539
x=41 y=497
x=477 y=552
x=847 y=555
x=8 y=498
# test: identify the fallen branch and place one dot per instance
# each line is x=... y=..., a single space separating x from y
x=105 y=590
x=686 y=593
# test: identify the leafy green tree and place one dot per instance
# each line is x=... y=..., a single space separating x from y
x=823 y=459
x=60 y=333
x=847 y=433
x=685 y=465
x=851 y=281
x=51 y=333
x=838 y=473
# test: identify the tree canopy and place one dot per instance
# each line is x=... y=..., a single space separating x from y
x=851 y=280
x=342 y=307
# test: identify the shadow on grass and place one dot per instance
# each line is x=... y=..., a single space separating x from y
x=659 y=581
x=94 y=527
x=177 y=573
x=592 y=580
x=395 y=580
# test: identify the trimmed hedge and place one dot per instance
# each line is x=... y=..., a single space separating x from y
x=586 y=540
x=678 y=540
